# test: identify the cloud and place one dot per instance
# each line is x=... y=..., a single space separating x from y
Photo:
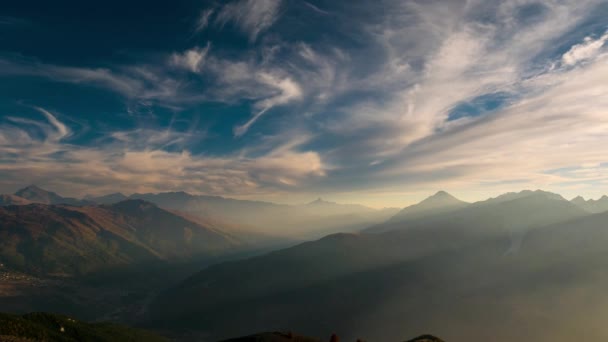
x=145 y=83
x=203 y=20
x=140 y=161
x=404 y=140
x=315 y=8
x=287 y=89
x=191 y=60
x=62 y=130
x=586 y=50
x=252 y=17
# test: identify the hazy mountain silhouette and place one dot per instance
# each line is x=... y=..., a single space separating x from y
x=255 y=219
x=314 y=219
x=322 y=207
x=35 y=194
x=107 y=199
x=511 y=212
x=438 y=203
x=59 y=239
x=592 y=206
x=437 y=275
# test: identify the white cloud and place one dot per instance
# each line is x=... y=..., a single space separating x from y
x=252 y=17
x=191 y=60
x=586 y=50
x=62 y=130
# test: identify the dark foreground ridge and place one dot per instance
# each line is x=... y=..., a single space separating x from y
x=50 y=327
x=290 y=337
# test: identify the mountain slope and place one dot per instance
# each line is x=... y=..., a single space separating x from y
x=13 y=200
x=49 y=327
x=74 y=240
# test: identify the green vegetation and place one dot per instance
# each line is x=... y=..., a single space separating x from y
x=50 y=327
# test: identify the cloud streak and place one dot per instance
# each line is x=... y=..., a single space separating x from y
x=252 y=17
x=138 y=161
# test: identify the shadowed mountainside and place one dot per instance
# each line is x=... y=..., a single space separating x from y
x=13 y=200
x=533 y=255
x=60 y=239
x=49 y=327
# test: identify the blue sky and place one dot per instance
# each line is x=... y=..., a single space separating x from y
x=376 y=102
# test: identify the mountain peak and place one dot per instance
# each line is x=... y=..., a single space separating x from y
x=442 y=193
x=440 y=202
x=441 y=197
x=578 y=200
x=36 y=194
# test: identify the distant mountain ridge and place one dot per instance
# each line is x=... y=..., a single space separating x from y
x=310 y=220
x=593 y=206
x=35 y=194
x=276 y=221
x=107 y=199
x=440 y=202
x=515 y=210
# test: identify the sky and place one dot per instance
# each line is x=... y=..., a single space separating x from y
x=376 y=102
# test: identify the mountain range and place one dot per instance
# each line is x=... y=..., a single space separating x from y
x=311 y=220
x=592 y=206
x=534 y=255
x=433 y=266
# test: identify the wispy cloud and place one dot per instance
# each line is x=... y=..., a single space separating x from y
x=251 y=16
x=138 y=160
x=203 y=20
x=288 y=91
x=192 y=60
x=315 y=8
